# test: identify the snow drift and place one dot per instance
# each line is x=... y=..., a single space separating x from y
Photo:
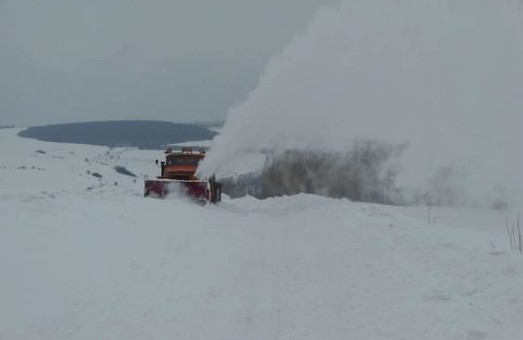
x=443 y=76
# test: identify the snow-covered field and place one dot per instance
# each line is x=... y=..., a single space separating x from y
x=85 y=257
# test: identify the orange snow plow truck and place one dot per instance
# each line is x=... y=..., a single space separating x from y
x=178 y=176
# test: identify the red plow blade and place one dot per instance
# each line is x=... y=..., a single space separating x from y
x=161 y=188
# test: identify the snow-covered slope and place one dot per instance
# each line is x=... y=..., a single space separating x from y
x=84 y=257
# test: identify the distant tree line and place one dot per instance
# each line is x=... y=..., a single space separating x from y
x=367 y=172
x=362 y=173
x=141 y=134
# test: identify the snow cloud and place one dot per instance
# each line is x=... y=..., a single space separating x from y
x=443 y=76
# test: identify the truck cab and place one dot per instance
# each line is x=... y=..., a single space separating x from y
x=181 y=164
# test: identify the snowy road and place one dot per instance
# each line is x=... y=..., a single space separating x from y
x=87 y=257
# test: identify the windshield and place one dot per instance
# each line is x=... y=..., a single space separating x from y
x=182 y=160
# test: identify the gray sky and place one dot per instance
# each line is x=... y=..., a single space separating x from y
x=77 y=60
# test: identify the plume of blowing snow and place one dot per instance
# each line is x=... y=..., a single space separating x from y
x=443 y=76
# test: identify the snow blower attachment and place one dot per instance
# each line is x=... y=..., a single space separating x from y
x=177 y=176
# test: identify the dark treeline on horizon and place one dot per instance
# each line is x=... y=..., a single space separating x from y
x=131 y=133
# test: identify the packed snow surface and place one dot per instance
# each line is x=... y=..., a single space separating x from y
x=87 y=257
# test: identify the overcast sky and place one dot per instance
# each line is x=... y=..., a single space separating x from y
x=78 y=60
